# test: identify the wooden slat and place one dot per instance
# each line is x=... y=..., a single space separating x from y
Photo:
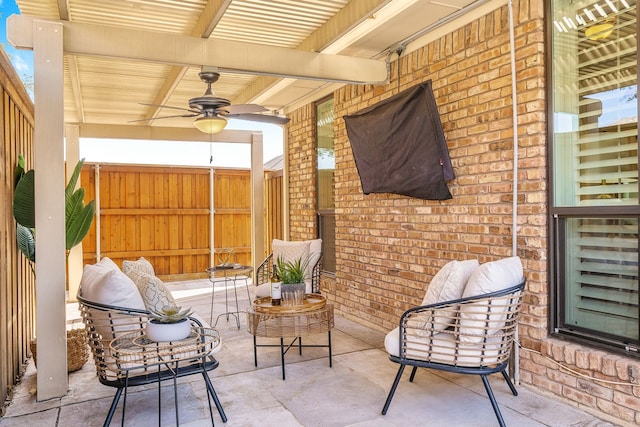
x=152 y=211
x=17 y=282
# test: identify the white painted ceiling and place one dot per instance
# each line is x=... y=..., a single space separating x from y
x=99 y=90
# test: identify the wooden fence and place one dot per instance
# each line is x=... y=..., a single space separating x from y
x=17 y=282
x=273 y=207
x=164 y=214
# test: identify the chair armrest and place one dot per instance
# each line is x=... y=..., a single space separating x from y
x=315 y=276
x=264 y=271
x=448 y=326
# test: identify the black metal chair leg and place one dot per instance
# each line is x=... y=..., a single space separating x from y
x=393 y=390
x=413 y=374
x=509 y=383
x=492 y=398
x=209 y=400
x=255 y=351
x=212 y=393
x=175 y=397
x=329 y=344
x=112 y=409
x=282 y=356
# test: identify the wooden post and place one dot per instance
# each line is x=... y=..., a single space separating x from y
x=49 y=198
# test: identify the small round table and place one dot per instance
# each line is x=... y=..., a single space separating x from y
x=139 y=357
x=230 y=274
x=264 y=320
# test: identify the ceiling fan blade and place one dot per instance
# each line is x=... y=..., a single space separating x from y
x=169 y=106
x=264 y=118
x=244 y=109
x=165 y=117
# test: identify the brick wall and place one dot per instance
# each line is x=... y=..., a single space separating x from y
x=302 y=174
x=388 y=247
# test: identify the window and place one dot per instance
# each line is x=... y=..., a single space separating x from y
x=326 y=168
x=594 y=171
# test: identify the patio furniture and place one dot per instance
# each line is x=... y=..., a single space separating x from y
x=310 y=250
x=267 y=321
x=125 y=358
x=469 y=335
x=229 y=275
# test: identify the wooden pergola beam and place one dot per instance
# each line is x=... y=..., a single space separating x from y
x=228 y=56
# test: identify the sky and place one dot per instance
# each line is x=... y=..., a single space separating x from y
x=154 y=152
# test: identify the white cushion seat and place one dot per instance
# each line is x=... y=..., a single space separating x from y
x=444 y=348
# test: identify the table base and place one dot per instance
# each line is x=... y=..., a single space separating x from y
x=284 y=349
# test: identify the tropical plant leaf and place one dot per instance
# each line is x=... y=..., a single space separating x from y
x=78 y=228
x=26 y=242
x=24 y=200
x=71 y=185
x=18 y=171
x=73 y=206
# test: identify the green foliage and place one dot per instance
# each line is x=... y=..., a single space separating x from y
x=23 y=200
x=78 y=216
x=291 y=271
x=26 y=239
x=170 y=314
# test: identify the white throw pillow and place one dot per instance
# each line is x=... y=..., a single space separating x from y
x=153 y=291
x=102 y=284
x=141 y=265
x=489 y=277
x=448 y=284
x=290 y=251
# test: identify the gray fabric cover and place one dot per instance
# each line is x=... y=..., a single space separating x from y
x=399 y=147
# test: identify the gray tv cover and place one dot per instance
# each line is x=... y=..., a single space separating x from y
x=399 y=147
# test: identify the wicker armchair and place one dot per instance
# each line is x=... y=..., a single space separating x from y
x=106 y=325
x=265 y=270
x=472 y=335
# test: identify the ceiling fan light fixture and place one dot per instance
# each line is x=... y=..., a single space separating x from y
x=599 y=31
x=210 y=125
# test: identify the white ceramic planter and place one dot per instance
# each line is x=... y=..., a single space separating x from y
x=157 y=331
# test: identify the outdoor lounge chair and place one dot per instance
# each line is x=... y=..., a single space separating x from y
x=469 y=335
x=308 y=250
x=106 y=324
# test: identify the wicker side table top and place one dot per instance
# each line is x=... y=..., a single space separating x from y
x=280 y=325
x=134 y=349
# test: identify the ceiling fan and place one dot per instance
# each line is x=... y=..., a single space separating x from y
x=212 y=111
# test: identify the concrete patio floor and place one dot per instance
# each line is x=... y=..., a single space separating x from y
x=351 y=393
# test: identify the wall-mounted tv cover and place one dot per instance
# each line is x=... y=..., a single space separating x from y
x=399 y=147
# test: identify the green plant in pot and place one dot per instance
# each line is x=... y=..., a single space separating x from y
x=78 y=216
x=292 y=274
x=78 y=219
x=171 y=323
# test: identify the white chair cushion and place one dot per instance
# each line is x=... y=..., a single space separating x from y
x=489 y=277
x=442 y=349
x=153 y=291
x=448 y=284
x=263 y=290
x=141 y=264
x=103 y=284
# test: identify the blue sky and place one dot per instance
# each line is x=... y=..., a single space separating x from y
x=154 y=152
x=22 y=60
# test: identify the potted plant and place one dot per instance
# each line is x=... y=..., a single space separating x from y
x=171 y=323
x=292 y=275
x=78 y=218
